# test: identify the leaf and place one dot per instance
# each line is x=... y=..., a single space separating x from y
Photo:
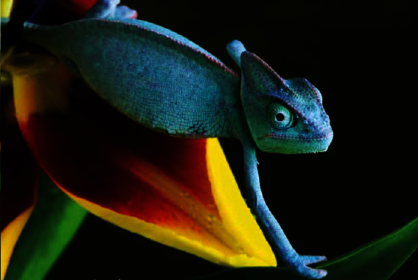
x=53 y=223
x=377 y=260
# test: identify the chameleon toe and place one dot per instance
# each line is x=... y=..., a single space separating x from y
x=307 y=260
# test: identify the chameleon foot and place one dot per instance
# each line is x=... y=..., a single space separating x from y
x=110 y=9
x=125 y=12
x=300 y=265
x=102 y=9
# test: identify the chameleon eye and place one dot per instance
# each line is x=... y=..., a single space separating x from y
x=279 y=116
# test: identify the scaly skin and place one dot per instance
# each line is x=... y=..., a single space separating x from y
x=165 y=82
x=151 y=63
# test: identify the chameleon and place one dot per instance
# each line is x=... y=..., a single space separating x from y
x=165 y=82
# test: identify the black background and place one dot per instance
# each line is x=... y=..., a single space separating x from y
x=362 y=58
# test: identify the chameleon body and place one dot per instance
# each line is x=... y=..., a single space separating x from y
x=167 y=83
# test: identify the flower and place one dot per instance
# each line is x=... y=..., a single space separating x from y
x=179 y=192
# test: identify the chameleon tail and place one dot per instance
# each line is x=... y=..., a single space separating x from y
x=35 y=33
x=13 y=16
x=31 y=33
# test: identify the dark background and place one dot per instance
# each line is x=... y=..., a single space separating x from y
x=362 y=58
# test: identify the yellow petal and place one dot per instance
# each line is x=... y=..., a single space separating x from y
x=6 y=8
x=9 y=238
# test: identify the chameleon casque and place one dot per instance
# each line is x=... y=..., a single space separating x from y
x=175 y=87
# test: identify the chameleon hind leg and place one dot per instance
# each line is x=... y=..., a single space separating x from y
x=269 y=225
x=109 y=9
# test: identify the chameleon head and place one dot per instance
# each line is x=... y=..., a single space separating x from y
x=284 y=116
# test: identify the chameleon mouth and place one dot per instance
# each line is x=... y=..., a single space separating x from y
x=299 y=144
x=284 y=137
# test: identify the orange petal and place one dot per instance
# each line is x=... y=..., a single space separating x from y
x=179 y=192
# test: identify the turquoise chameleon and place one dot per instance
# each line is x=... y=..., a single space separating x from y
x=167 y=83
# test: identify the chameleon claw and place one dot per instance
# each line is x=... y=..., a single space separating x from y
x=125 y=12
x=301 y=266
x=312 y=259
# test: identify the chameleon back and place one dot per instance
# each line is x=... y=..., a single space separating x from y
x=151 y=74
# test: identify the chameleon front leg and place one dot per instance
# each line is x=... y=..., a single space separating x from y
x=271 y=228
